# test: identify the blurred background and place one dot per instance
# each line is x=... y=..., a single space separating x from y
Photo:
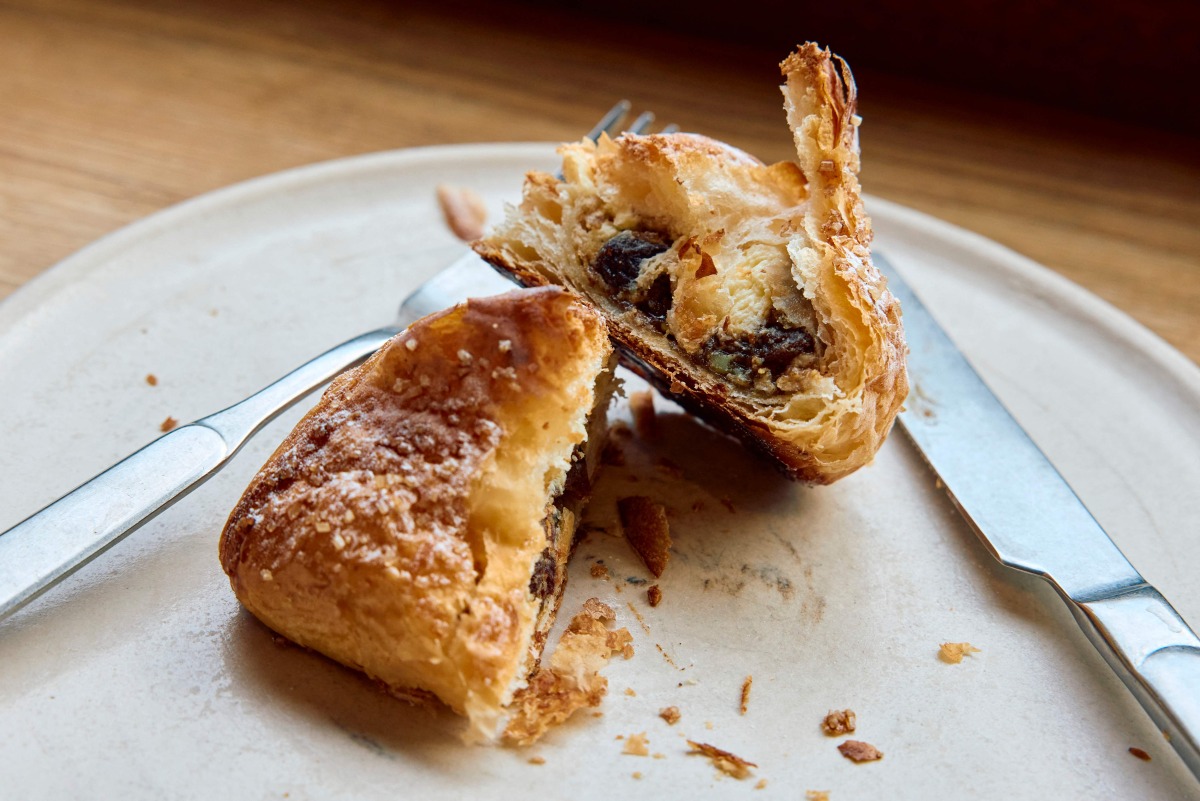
x=1068 y=133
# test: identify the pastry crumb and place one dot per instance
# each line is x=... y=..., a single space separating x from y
x=670 y=714
x=637 y=774
x=654 y=595
x=644 y=521
x=630 y=692
x=816 y=795
x=641 y=407
x=600 y=571
x=762 y=784
x=537 y=760
x=838 y=722
x=572 y=681
x=1140 y=754
x=727 y=763
x=952 y=653
x=168 y=424
x=745 y=695
x=858 y=751
x=152 y=379
x=636 y=745
x=464 y=211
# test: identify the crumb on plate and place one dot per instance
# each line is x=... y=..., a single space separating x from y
x=636 y=745
x=952 y=653
x=727 y=763
x=745 y=702
x=572 y=681
x=641 y=407
x=839 y=721
x=654 y=595
x=644 y=521
x=670 y=714
x=464 y=211
x=168 y=424
x=858 y=751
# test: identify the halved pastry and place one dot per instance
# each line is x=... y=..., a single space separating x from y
x=416 y=523
x=744 y=291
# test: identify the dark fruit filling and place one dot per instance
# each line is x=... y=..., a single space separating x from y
x=619 y=261
x=545 y=575
x=773 y=348
x=742 y=358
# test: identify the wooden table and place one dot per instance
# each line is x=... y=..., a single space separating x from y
x=113 y=109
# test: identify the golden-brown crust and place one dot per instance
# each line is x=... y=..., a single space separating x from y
x=396 y=528
x=748 y=241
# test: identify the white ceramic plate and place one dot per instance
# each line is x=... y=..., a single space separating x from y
x=142 y=678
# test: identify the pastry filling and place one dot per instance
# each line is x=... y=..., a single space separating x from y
x=754 y=360
x=619 y=264
x=770 y=351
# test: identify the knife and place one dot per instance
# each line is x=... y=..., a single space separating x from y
x=1032 y=521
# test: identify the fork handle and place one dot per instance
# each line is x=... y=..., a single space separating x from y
x=47 y=547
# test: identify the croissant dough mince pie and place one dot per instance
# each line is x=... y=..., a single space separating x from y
x=745 y=291
x=416 y=523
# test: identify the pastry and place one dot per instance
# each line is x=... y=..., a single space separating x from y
x=744 y=291
x=416 y=523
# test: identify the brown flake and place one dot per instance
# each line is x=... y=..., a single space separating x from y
x=816 y=795
x=600 y=571
x=670 y=714
x=168 y=424
x=645 y=524
x=858 y=751
x=463 y=210
x=641 y=406
x=724 y=761
x=152 y=379
x=746 y=694
x=1140 y=754
x=838 y=722
x=537 y=760
x=654 y=595
x=707 y=267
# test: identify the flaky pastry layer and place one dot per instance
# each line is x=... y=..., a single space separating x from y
x=745 y=291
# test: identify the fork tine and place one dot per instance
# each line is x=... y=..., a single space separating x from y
x=670 y=129
x=610 y=123
x=642 y=123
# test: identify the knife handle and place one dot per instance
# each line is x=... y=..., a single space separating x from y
x=1157 y=655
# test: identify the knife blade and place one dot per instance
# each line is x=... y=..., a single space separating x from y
x=1031 y=520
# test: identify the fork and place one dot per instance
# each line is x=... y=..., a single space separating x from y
x=47 y=547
